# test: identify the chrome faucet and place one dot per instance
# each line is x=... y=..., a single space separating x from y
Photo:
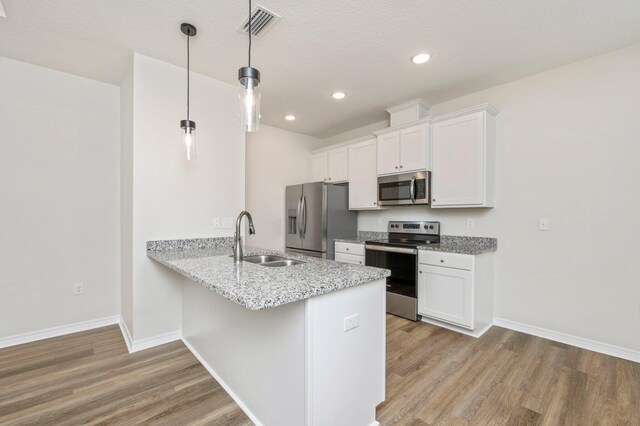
x=237 y=239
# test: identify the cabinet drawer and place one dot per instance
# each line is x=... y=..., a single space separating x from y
x=449 y=260
x=350 y=258
x=350 y=248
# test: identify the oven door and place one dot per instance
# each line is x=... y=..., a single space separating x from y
x=404 y=189
x=401 y=285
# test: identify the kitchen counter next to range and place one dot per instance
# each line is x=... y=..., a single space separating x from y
x=208 y=261
x=447 y=244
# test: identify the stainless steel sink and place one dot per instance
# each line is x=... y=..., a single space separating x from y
x=271 y=260
x=262 y=258
x=283 y=262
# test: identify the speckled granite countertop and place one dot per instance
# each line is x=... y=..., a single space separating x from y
x=448 y=243
x=209 y=262
x=463 y=245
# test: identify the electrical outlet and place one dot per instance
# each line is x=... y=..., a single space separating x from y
x=227 y=222
x=351 y=322
x=471 y=223
x=78 y=289
x=216 y=222
x=543 y=224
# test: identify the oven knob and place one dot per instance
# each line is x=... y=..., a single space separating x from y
x=426 y=227
x=430 y=226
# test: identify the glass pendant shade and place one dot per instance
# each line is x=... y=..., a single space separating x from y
x=189 y=138
x=249 y=82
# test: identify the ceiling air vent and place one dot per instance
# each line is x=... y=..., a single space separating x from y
x=262 y=20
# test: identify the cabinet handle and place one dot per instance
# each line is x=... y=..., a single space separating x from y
x=360 y=262
x=420 y=271
x=433 y=199
x=400 y=166
x=396 y=167
x=347 y=248
x=374 y=203
x=441 y=260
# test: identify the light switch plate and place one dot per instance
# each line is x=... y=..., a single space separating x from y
x=543 y=224
x=471 y=223
x=78 y=289
x=227 y=222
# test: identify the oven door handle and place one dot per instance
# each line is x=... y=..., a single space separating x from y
x=391 y=249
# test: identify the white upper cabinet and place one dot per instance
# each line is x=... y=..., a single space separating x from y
x=363 y=176
x=338 y=165
x=463 y=148
x=319 y=167
x=403 y=150
x=389 y=153
x=413 y=148
x=330 y=166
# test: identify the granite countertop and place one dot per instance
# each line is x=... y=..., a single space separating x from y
x=447 y=244
x=463 y=245
x=209 y=262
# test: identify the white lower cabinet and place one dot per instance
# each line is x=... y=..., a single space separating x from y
x=456 y=290
x=446 y=294
x=349 y=253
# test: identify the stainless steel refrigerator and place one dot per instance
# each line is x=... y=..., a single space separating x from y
x=316 y=213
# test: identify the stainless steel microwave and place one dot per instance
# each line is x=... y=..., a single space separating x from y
x=407 y=189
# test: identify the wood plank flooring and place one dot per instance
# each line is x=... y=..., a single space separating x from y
x=90 y=378
x=434 y=377
x=438 y=377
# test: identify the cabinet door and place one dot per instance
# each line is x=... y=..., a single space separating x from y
x=458 y=161
x=446 y=294
x=389 y=153
x=414 y=148
x=363 y=176
x=338 y=165
x=319 y=167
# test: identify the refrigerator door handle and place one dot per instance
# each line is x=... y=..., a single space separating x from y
x=299 y=217
x=304 y=215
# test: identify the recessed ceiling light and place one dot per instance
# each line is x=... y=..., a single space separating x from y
x=420 y=58
x=339 y=95
x=289 y=117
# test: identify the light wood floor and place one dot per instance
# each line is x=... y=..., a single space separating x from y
x=434 y=377
x=90 y=378
x=437 y=377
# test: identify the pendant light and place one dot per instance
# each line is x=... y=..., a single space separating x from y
x=188 y=126
x=249 y=79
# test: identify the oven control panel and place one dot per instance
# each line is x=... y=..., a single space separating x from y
x=415 y=227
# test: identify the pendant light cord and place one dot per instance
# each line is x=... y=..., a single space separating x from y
x=188 y=72
x=250 y=19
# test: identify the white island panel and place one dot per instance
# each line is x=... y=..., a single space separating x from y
x=294 y=364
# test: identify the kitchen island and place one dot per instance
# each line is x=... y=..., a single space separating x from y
x=293 y=345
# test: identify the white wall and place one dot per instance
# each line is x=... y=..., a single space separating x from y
x=59 y=174
x=568 y=149
x=171 y=197
x=126 y=198
x=275 y=158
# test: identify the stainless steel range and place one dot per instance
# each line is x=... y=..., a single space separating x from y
x=399 y=254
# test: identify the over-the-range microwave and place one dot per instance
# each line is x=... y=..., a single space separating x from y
x=407 y=189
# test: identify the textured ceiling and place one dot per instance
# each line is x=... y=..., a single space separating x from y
x=361 y=47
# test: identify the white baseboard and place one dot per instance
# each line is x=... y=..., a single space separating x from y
x=61 y=330
x=150 y=342
x=222 y=383
x=581 y=342
x=473 y=333
x=126 y=334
